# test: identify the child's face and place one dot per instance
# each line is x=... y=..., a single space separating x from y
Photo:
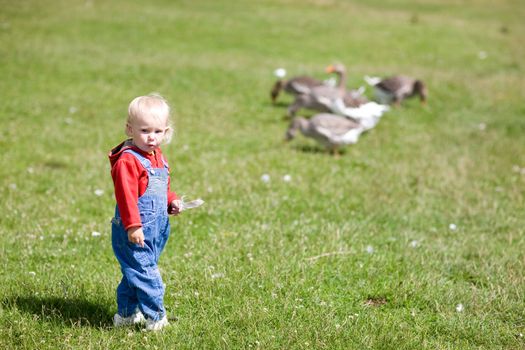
x=147 y=132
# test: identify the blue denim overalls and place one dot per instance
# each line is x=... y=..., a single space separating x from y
x=141 y=284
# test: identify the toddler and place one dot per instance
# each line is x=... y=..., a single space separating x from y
x=141 y=226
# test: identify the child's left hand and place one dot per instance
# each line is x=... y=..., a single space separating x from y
x=174 y=207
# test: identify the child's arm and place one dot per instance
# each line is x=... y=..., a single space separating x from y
x=174 y=202
x=126 y=173
x=136 y=235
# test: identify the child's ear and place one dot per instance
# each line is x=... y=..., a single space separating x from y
x=168 y=134
x=129 y=130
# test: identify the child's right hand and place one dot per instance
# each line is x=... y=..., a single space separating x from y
x=136 y=235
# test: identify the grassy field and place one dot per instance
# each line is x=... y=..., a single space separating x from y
x=412 y=239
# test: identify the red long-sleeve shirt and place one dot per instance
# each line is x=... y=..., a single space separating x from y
x=131 y=180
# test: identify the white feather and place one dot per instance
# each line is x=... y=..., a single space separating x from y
x=190 y=205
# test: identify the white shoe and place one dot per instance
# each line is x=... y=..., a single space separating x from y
x=156 y=325
x=136 y=318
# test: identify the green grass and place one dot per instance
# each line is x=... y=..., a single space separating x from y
x=278 y=265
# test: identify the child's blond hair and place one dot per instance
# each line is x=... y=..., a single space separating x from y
x=151 y=106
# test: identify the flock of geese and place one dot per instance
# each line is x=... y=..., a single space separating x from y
x=344 y=114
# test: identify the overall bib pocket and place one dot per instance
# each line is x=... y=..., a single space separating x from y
x=147 y=211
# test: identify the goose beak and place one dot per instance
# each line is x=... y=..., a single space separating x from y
x=330 y=69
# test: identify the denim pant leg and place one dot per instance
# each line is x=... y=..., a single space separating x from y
x=127 y=301
x=141 y=280
x=163 y=225
x=150 y=292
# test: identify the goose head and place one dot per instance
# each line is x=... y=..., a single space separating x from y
x=340 y=70
x=277 y=87
x=336 y=68
x=297 y=123
x=421 y=90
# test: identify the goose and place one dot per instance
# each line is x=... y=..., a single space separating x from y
x=395 y=89
x=330 y=130
x=367 y=114
x=320 y=98
x=293 y=86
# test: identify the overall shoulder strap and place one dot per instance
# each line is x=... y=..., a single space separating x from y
x=165 y=162
x=143 y=160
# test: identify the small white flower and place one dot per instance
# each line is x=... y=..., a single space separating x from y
x=95 y=234
x=185 y=147
x=452 y=227
x=482 y=126
x=460 y=307
x=217 y=275
x=414 y=244
x=68 y=121
x=337 y=326
x=287 y=178
x=32 y=273
x=516 y=168
x=99 y=192
x=265 y=178
x=369 y=249
x=30 y=170
x=12 y=186
x=209 y=189
x=280 y=73
x=196 y=293
x=73 y=109
x=482 y=55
